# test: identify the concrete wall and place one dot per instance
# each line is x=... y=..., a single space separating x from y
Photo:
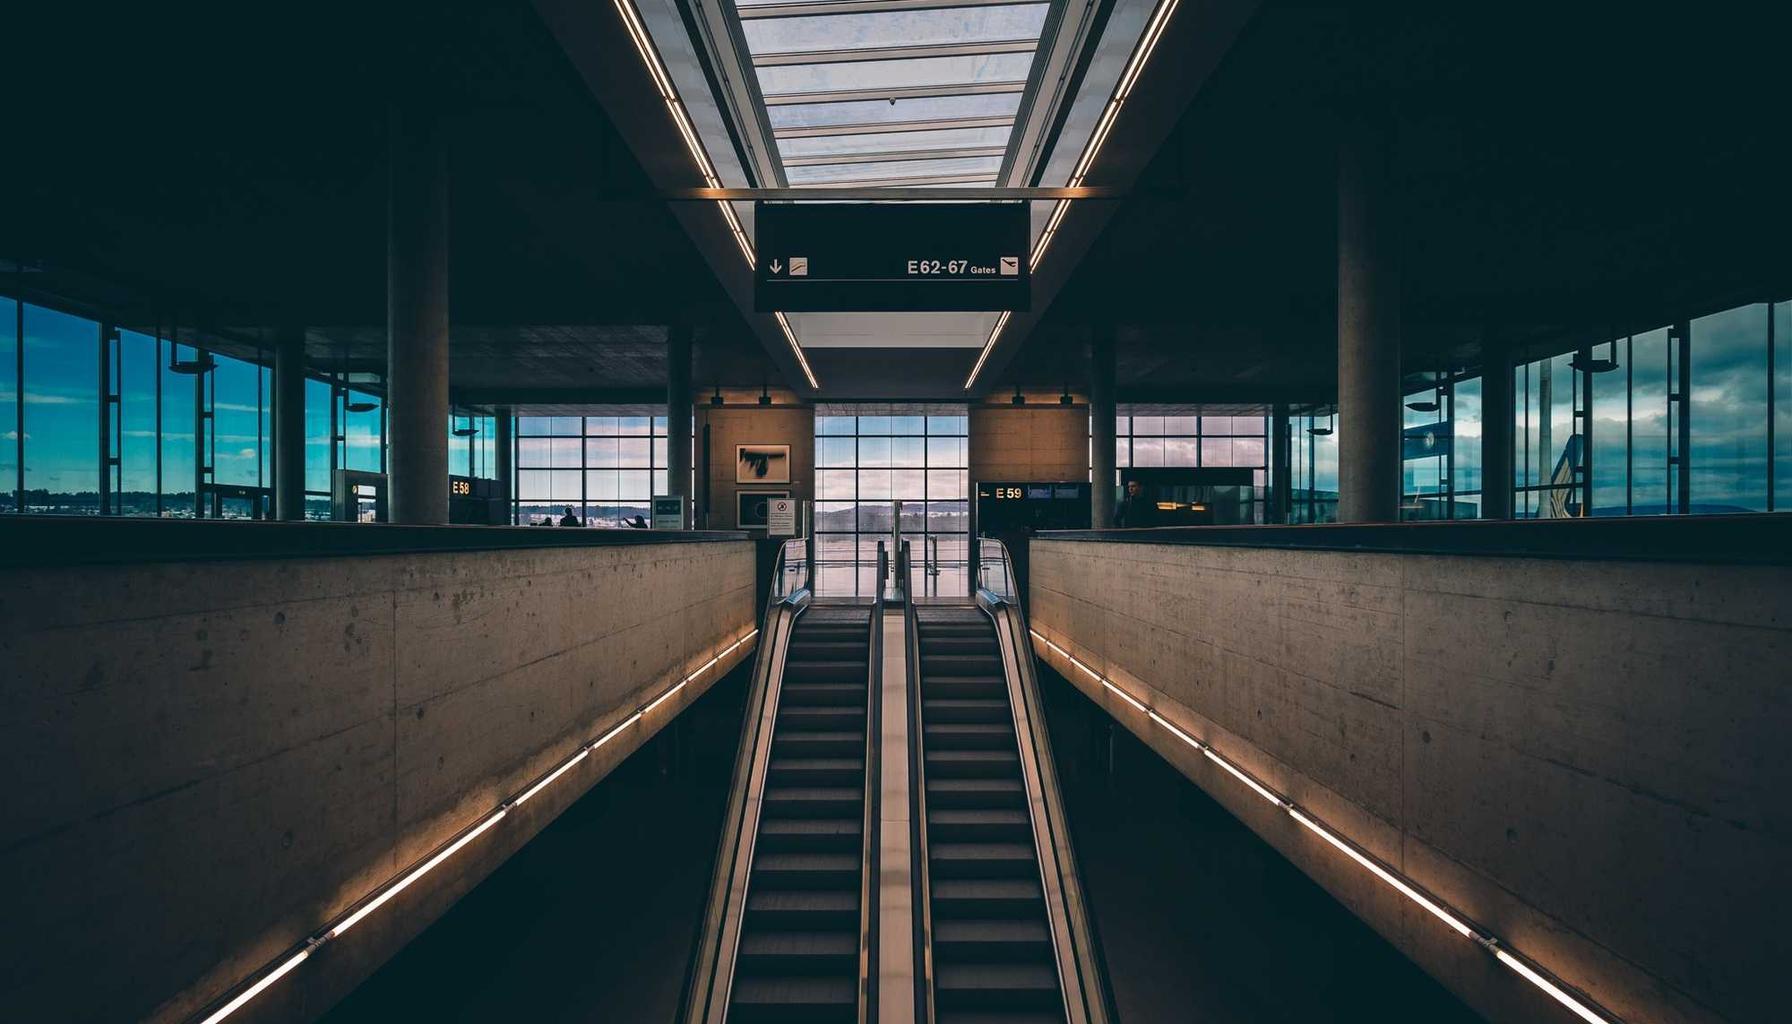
x=1588 y=758
x=206 y=761
x=1036 y=441
x=743 y=422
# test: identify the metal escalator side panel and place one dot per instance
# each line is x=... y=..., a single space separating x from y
x=1079 y=960
x=718 y=942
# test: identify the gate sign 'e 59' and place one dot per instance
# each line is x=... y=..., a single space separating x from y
x=891 y=257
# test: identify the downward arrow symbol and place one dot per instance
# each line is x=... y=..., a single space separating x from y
x=777 y=267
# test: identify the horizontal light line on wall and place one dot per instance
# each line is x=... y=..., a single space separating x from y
x=1526 y=968
x=384 y=893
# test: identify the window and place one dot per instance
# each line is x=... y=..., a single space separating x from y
x=1148 y=437
x=62 y=403
x=607 y=468
x=1313 y=467
x=12 y=439
x=868 y=457
x=1441 y=450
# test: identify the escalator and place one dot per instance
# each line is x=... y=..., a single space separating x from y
x=992 y=948
x=789 y=934
x=800 y=941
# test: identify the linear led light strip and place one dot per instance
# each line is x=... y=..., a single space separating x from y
x=392 y=888
x=1141 y=52
x=637 y=32
x=1526 y=968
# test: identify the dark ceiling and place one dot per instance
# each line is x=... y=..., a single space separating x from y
x=223 y=166
x=1563 y=172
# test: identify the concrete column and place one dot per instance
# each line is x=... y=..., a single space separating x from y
x=289 y=423
x=678 y=414
x=417 y=316
x=1369 y=419
x=502 y=466
x=1101 y=427
x=1496 y=431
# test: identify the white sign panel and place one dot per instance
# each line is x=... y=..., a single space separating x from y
x=780 y=517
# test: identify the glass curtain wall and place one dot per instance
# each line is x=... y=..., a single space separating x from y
x=867 y=457
x=1683 y=418
x=123 y=422
x=605 y=469
x=1313 y=466
x=1441 y=450
x=1152 y=437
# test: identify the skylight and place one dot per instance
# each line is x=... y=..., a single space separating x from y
x=891 y=92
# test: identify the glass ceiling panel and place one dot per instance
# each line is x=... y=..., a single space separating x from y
x=821 y=173
x=894 y=28
x=953 y=138
x=926 y=108
x=801 y=78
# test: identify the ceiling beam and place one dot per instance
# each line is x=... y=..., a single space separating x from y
x=865 y=54
x=820 y=193
x=891 y=155
x=892 y=93
x=816 y=8
x=879 y=128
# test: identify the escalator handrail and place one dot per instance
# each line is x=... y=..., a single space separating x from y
x=919 y=880
x=1084 y=955
x=783 y=606
x=869 y=861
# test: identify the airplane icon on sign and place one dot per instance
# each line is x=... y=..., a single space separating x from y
x=799 y=266
x=1011 y=266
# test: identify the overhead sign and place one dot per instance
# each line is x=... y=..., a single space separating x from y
x=891 y=257
x=780 y=517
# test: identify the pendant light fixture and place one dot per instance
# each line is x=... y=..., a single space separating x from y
x=1436 y=401
x=349 y=404
x=716 y=399
x=1331 y=422
x=201 y=362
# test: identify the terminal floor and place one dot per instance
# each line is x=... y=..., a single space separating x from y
x=1200 y=920
x=595 y=918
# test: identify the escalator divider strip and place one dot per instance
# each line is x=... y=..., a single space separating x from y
x=247 y=989
x=1575 y=1000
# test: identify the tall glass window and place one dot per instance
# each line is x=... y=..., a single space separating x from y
x=238 y=393
x=1647 y=405
x=1148 y=437
x=1313 y=467
x=867 y=457
x=1441 y=450
x=62 y=474
x=606 y=468
x=1728 y=411
x=139 y=365
x=1782 y=405
x=10 y=438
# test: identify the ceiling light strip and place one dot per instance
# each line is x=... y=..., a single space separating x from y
x=1525 y=967
x=1141 y=52
x=892 y=93
x=382 y=895
x=815 y=8
x=893 y=156
x=656 y=69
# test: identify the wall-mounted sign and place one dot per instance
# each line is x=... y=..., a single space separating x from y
x=668 y=512
x=753 y=509
x=780 y=517
x=891 y=257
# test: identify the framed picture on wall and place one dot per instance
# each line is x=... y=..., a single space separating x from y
x=752 y=508
x=761 y=463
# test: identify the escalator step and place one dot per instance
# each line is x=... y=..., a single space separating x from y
x=968 y=735
x=829 y=694
x=958 y=710
x=805 y=870
x=944 y=764
x=950 y=824
x=1002 y=940
x=818 y=743
x=982 y=687
x=813 y=801
x=804 y=952
x=835 y=834
x=981 y=860
x=794 y=1000
x=988 y=662
x=817 y=771
x=820 y=717
x=987 y=897
x=997 y=986
x=803 y=909
x=950 y=793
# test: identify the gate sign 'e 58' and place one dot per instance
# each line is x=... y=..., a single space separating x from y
x=891 y=257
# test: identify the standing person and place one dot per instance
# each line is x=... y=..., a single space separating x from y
x=569 y=519
x=1136 y=509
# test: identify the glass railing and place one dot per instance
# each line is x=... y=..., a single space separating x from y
x=793 y=569
x=995 y=573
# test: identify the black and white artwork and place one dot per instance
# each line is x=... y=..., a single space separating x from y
x=761 y=463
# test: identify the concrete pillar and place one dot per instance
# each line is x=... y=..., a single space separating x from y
x=503 y=466
x=678 y=414
x=1369 y=418
x=417 y=316
x=1101 y=427
x=289 y=423
x=1496 y=431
